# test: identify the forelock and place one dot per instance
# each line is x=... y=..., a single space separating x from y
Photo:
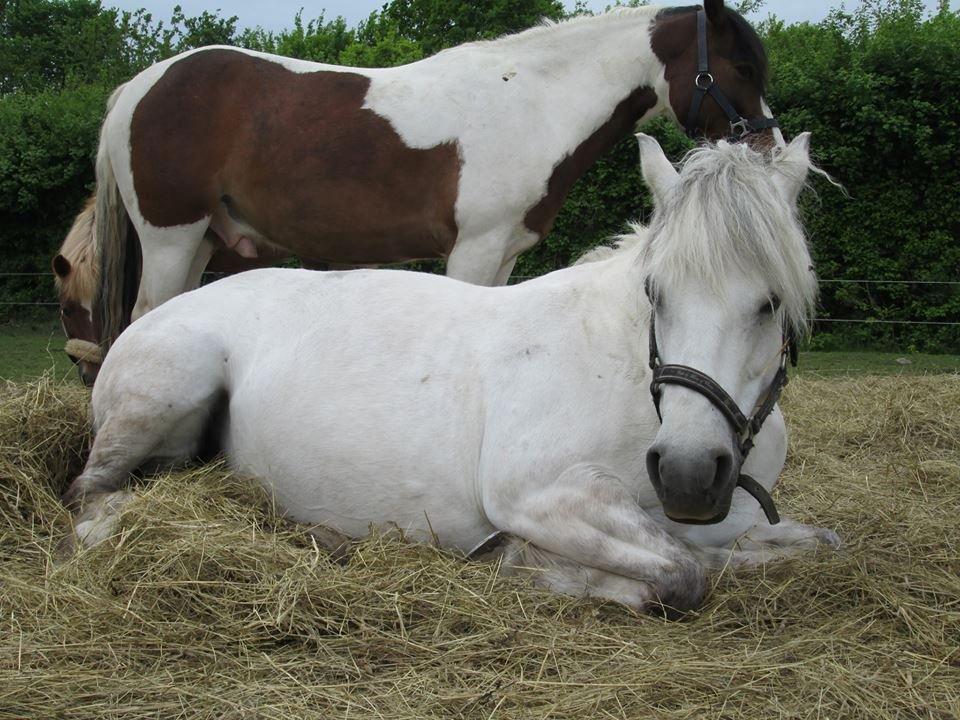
x=726 y=212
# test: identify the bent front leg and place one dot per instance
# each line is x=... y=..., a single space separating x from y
x=592 y=538
x=765 y=543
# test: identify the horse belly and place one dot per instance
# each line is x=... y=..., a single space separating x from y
x=342 y=442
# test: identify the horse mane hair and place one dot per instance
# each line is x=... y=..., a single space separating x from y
x=547 y=25
x=726 y=212
x=79 y=249
x=621 y=244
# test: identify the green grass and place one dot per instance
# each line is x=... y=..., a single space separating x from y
x=876 y=363
x=27 y=351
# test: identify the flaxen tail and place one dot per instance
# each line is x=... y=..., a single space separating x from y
x=117 y=249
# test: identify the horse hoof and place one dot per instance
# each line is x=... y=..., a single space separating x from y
x=829 y=538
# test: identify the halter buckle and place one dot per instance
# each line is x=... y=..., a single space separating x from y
x=740 y=128
x=703 y=81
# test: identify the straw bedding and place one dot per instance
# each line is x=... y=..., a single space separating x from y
x=209 y=605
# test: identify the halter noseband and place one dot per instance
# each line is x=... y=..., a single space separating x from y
x=746 y=428
x=740 y=127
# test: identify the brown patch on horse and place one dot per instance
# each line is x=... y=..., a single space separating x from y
x=302 y=161
x=540 y=217
x=738 y=63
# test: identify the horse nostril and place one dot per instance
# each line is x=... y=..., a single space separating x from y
x=724 y=469
x=653 y=469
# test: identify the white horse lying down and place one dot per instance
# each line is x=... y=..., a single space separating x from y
x=374 y=397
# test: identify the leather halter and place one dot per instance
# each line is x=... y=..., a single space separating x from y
x=704 y=84
x=746 y=428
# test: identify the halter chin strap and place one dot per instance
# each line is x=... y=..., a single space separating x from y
x=746 y=428
x=704 y=84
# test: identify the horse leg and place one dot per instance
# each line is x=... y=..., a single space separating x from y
x=765 y=543
x=154 y=405
x=503 y=274
x=168 y=256
x=608 y=545
x=200 y=261
x=486 y=259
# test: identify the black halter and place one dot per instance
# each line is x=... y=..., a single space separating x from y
x=746 y=428
x=704 y=85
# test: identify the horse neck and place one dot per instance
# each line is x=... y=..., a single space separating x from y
x=587 y=66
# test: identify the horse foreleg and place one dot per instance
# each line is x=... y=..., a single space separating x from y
x=589 y=537
x=765 y=543
x=169 y=255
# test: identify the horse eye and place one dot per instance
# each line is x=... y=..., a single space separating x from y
x=746 y=71
x=65 y=311
x=771 y=306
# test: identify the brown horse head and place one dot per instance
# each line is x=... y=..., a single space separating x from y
x=737 y=68
x=75 y=273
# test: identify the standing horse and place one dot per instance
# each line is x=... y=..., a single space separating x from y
x=466 y=155
x=524 y=410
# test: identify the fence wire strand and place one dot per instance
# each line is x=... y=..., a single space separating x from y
x=832 y=281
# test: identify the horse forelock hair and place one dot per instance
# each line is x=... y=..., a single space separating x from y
x=726 y=212
x=79 y=249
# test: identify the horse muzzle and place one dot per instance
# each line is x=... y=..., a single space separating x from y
x=693 y=489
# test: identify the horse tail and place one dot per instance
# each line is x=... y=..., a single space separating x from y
x=116 y=258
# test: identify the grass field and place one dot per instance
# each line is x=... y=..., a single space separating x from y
x=31 y=350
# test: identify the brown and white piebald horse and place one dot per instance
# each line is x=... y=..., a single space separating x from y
x=466 y=155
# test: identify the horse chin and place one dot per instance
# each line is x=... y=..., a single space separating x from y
x=690 y=520
x=697 y=510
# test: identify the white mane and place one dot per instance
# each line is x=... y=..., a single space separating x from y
x=725 y=212
x=548 y=26
x=622 y=244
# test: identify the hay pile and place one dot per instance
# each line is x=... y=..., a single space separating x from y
x=211 y=606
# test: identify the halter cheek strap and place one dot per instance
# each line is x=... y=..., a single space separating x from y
x=746 y=428
x=704 y=84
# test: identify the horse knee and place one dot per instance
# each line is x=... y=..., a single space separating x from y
x=681 y=588
x=86 y=486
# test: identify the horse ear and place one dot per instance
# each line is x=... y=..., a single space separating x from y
x=791 y=167
x=659 y=175
x=61 y=266
x=716 y=12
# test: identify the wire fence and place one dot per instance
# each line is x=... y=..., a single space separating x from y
x=519 y=278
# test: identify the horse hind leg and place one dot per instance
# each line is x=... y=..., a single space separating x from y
x=150 y=415
x=170 y=256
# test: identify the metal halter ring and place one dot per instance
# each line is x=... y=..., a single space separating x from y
x=741 y=128
x=704 y=76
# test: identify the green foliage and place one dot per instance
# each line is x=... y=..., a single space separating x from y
x=877 y=87
x=47 y=141
x=880 y=90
